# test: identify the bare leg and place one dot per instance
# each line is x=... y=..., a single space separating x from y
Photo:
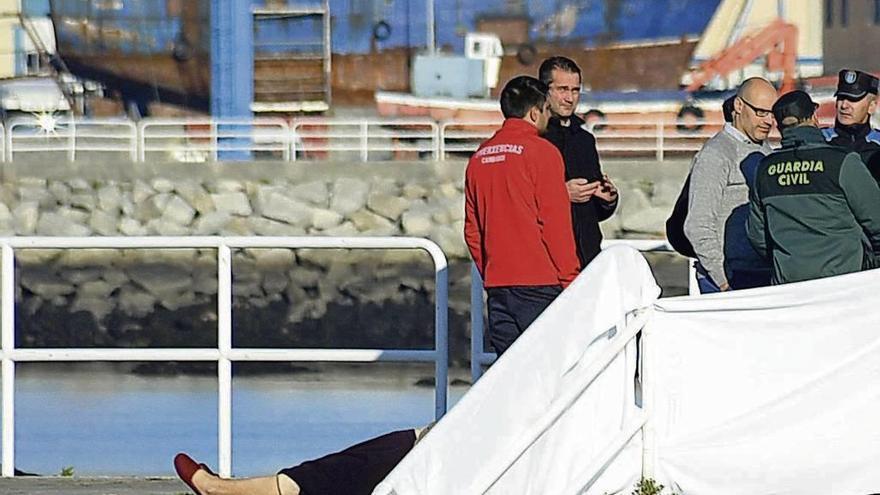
x=268 y=485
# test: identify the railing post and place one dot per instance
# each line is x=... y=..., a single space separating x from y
x=224 y=365
x=365 y=140
x=646 y=378
x=441 y=333
x=476 y=324
x=660 y=138
x=441 y=145
x=215 y=140
x=7 y=313
x=71 y=140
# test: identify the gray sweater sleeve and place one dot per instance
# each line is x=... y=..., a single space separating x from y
x=704 y=226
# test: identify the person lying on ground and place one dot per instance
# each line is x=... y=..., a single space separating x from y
x=352 y=471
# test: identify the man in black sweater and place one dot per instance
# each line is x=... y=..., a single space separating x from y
x=593 y=196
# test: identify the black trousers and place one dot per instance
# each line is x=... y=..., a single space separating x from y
x=513 y=309
x=353 y=471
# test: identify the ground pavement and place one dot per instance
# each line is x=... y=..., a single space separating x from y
x=50 y=485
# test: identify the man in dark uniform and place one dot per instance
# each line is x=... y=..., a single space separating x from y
x=592 y=194
x=856 y=101
x=814 y=210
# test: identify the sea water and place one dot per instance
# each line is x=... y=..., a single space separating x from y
x=105 y=422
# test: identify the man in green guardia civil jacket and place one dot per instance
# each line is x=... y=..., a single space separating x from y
x=815 y=209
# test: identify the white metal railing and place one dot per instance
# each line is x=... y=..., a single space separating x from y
x=320 y=137
x=315 y=138
x=479 y=356
x=199 y=140
x=224 y=354
x=71 y=136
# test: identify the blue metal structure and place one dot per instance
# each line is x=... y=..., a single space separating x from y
x=232 y=58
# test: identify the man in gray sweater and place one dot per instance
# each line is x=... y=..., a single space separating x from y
x=718 y=186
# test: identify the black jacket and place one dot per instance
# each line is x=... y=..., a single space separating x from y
x=859 y=138
x=578 y=148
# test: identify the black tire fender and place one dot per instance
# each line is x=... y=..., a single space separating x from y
x=381 y=31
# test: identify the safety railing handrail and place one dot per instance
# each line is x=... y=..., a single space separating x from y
x=224 y=354
x=70 y=135
x=319 y=137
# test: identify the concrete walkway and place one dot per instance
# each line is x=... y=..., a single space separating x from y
x=49 y=485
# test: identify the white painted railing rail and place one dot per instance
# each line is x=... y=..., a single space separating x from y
x=224 y=354
x=479 y=356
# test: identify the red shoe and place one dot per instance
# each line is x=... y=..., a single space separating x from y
x=186 y=468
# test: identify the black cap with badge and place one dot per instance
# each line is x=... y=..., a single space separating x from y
x=792 y=108
x=855 y=84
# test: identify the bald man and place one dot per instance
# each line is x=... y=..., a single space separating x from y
x=718 y=187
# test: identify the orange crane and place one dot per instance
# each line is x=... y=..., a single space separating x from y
x=777 y=42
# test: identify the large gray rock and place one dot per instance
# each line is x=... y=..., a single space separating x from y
x=414 y=191
x=96 y=289
x=275 y=282
x=451 y=240
x=54 y=224
x=104 y=223
x=39 y=195
x=141 y=191
x=387 y=205
x=233 y=203
x=109 y=198
x=131 y=227
x=162 y=185
x=325 y=219
x=349 y=195
x=161 y=226
x=211 y=223
x=225 y=186
x=366 y=221
x=81 y=276
x=277 y=206
x=7 y=221
x=346 y=229
x=178 y=211
x=136 y=302
x=314 y=192
x=85 y=201
x=74 y=215
x=79 y=185
x=160 y=279
x=418 y=220
x=195 y=195
x=272 y=228
x=60 y=191
x=273 y=260
x=98 y=307
x=85 y=258
x=238 y=226
x=45 y=283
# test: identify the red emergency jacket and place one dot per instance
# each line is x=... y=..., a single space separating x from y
x=517 y=214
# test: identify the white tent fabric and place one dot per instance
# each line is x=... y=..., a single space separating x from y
x=770 y=390
x=765 y=391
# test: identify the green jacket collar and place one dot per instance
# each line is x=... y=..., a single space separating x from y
x=799 y=136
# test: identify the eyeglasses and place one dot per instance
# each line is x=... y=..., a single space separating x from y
x=759 y=112
x=566 y=89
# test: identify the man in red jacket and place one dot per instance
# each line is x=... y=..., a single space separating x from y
x=517 y=215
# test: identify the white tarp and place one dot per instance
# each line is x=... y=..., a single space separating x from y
x=766 y=391
x=471 y=445
x=770 y=390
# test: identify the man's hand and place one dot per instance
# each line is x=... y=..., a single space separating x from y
x=607 y=190
x=581 y=190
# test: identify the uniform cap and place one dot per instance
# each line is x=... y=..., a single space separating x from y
x=796 y=104
x=856 y=84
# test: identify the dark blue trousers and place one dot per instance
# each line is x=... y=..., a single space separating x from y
x=513 y=309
